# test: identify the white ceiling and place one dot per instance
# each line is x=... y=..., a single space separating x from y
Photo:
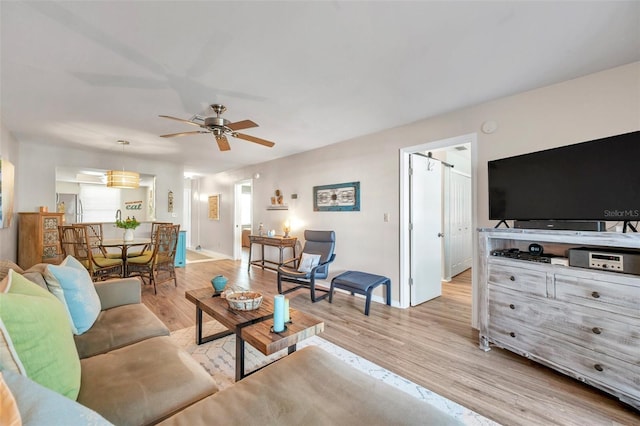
x=85 y=74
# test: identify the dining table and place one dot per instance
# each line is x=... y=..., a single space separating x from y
x=124 y=247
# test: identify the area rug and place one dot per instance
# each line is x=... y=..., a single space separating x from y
x=199 y=256
x=218 y=358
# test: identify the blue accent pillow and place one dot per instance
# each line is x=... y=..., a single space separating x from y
x=71 y=283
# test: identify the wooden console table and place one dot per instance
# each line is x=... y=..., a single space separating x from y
x=277 y=241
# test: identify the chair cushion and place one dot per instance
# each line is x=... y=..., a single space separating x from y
x=308 y=262
x=140 y=260
x=38 y=405
x=105 y=262
x=118 y=327
x=36 y=338
x=71 y=283
x=143 y=383
x=294 y=273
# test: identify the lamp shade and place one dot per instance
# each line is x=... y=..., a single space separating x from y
x=123 y=179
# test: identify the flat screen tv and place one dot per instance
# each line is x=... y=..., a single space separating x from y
x=597 y=180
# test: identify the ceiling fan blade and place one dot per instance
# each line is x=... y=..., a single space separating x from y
x=223 y=143
x=180 y=119
x=253 y=139
x=195 y=132
x=239 y=125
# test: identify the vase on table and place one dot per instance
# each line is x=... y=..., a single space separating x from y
x=128 y=234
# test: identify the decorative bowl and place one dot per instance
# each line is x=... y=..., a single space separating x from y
x=244 y=300
x=219 y=282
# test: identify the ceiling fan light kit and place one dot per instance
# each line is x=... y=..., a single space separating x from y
x=220 y=128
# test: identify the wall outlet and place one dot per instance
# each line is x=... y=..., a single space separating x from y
x=174 y=214
x=386 y=217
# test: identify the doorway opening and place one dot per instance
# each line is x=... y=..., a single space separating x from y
x=243 y=216
x=446 y=224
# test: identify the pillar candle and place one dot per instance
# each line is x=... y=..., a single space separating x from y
x=286 y=311
x=278 y=313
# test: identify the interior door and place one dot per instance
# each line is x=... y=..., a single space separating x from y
x=425 y=183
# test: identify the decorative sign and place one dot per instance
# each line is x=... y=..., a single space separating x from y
x=338 y=197
x=214 y=207
x=170 y=202
x=133 y=206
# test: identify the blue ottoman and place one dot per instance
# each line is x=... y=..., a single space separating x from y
x=361 y=283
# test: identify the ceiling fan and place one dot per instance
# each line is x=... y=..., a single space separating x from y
x=221 y=128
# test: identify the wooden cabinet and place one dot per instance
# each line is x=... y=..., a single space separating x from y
x=38 y=240
x=582 y=322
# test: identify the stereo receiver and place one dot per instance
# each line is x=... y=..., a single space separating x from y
x=625 y=261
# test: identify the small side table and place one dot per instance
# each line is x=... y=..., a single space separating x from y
x=278 y=241
x=361 y=283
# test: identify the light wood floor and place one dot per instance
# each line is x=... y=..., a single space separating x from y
x=432 y=345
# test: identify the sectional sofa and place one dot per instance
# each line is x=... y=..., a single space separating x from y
x=124 y=369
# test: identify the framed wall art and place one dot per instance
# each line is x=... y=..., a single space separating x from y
x=214 y=207
x=337 y=197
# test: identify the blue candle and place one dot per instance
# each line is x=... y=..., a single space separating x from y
x=278 y=313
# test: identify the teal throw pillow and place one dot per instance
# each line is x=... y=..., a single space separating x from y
x=71 y=283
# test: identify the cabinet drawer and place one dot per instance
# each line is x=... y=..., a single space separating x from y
x=616 y=336
x=50 y=238
x=609 y=296
x=524 y=280
x=576 y=361
x=50 y=223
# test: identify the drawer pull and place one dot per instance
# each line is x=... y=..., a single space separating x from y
x=512 y=334
x=597 y=330
x=512 y=278
x=598 y=367
x=512 y=306
x=595 y=295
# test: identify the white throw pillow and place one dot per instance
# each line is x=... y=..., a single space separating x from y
x=308 y=262
x=71 y=283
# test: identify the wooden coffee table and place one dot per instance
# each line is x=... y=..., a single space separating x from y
x=254 y=327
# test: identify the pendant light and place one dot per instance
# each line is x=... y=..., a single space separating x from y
x=122 y=178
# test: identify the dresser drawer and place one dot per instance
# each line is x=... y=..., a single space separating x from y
x=605 y=295
x=527 y=281
x=605 y=333
x=585 y=365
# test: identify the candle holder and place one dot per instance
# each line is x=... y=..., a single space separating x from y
x=277 y=332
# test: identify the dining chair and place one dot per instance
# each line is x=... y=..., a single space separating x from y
x=75 y=240
x=147 y=249
x=95 y=236
x=313 y=263
x=157 y=265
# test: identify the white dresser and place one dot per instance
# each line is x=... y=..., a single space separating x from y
x=582 y=322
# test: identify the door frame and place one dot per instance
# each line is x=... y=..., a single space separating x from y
x=405 y=241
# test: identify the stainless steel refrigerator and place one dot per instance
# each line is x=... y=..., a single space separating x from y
x=72 y=207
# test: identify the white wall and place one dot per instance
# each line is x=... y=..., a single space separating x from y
x=586 y=108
